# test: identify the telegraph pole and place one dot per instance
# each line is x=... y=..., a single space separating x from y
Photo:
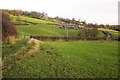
x=66 y=32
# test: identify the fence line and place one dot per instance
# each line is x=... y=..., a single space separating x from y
x=65 y=38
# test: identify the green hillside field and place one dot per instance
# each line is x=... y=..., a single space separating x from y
x=34 y=20
x=43 y=28
x=48 y=30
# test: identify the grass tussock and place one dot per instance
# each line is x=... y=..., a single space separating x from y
x=36 y=46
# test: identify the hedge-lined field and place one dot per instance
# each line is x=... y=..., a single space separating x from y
x=49 y=30
x=43 y=28
x=28 y=19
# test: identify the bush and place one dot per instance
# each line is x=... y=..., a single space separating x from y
x=88 y=32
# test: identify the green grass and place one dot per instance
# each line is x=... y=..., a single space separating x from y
x=34 y=20
x=60 y=59
x=9 y=49
x=40 y=29
x=48 y=30
x=44 y=30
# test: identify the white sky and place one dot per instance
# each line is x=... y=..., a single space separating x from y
x=93 y=11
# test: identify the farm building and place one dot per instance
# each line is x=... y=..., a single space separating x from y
x=70 y=26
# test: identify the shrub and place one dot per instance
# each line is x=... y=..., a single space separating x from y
x=88 y=32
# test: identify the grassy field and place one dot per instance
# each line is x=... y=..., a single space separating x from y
x=60 y=59
x=48 y=30
x=44 y=30
x=39 y=21
x=53 y=30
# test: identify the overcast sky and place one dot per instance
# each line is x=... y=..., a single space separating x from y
x=93 y=11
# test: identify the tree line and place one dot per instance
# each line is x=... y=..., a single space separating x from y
x=32 y=14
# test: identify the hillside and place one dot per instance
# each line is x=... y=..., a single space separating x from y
x=37 y=27
x=27 y=26
x=44 y=30
x=24 y=19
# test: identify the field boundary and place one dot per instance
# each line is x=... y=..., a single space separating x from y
x=43 y=38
